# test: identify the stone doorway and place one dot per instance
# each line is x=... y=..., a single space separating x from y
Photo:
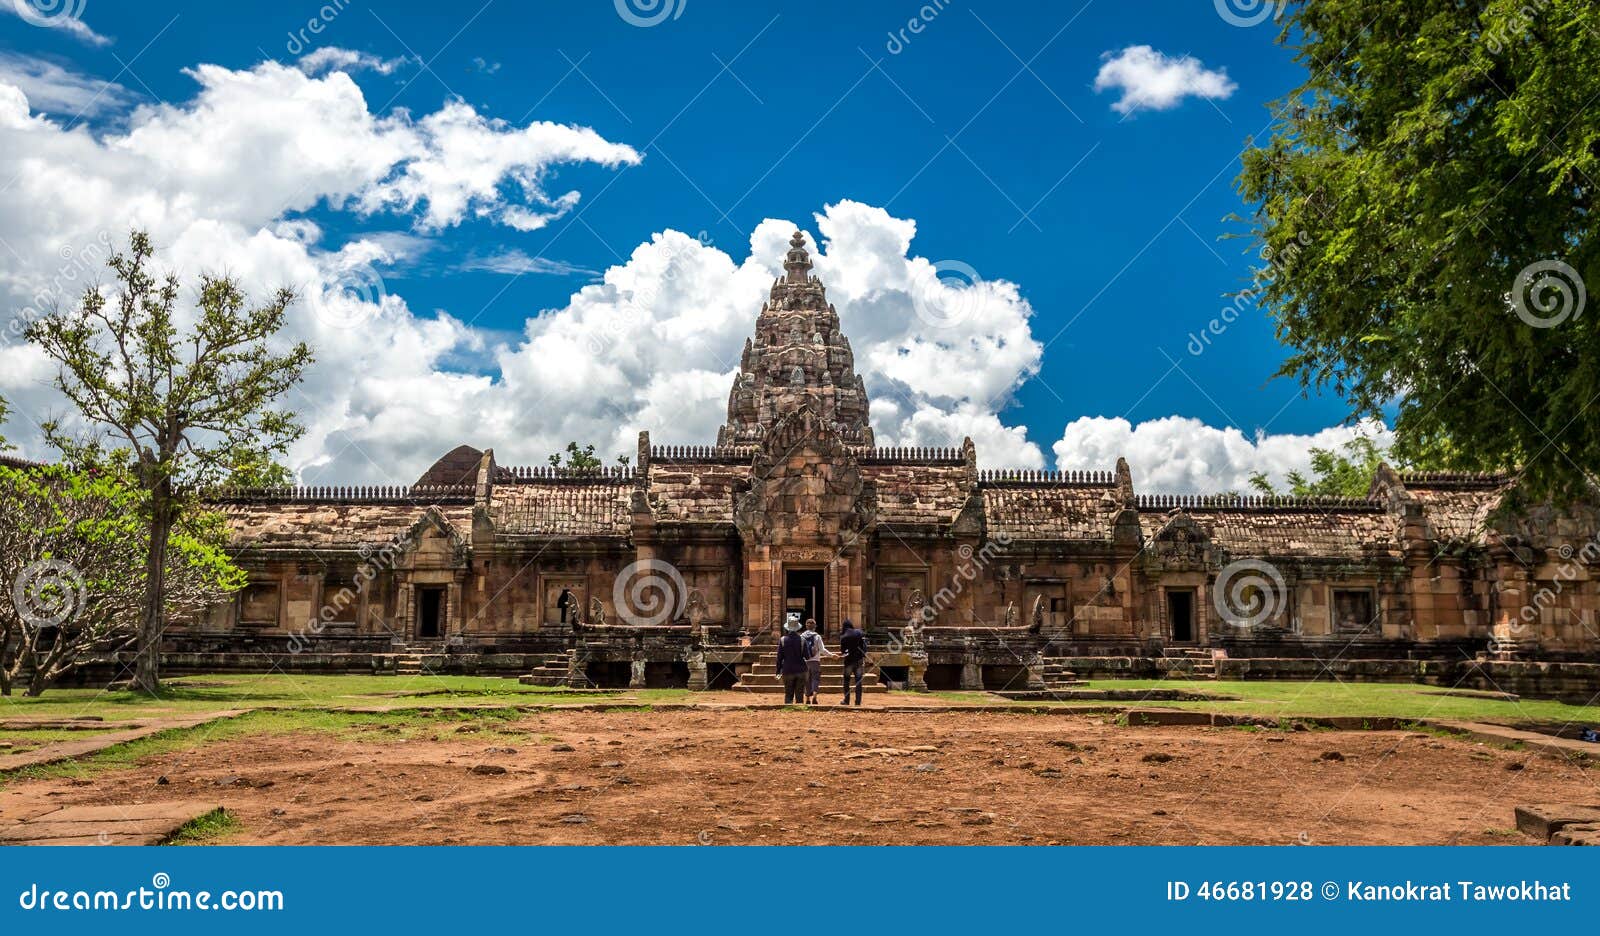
x=803 y=592
x=430 y=613
x=1180 y=612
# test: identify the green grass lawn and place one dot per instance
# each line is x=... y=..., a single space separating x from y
x=199 y=694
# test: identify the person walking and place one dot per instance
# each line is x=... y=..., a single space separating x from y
x=853 y=645
x=815 y=649
x=792 y=663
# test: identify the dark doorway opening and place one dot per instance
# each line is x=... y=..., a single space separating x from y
x=802 y=594
x=1180 y=610
x=1004 y=678
x=721 y=676
x=942 y=677
x=609 y=674
x=430 y=612
x=666 y=675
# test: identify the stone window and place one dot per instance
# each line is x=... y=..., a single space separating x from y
x=258 y=604
x=1354 y=611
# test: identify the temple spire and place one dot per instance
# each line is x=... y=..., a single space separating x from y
x=797 y=357
x=798 y=263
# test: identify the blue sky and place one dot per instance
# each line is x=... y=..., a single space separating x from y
x=985 y=127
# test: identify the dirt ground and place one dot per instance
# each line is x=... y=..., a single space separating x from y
x=835 y=777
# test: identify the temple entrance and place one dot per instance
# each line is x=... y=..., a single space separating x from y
x=1180 y=611
x=802 y=592
x=430 y=612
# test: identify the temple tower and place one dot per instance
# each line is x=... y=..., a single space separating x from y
x=798 y=357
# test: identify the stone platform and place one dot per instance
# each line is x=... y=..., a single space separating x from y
x=131 y=824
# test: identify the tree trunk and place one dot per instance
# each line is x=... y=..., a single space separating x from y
x=147 y=657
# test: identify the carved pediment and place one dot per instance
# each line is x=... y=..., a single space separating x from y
x=434 y=526
x=1182 y=542
x=806 y=486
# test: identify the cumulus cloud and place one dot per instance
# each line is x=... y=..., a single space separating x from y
x=1151 y=80
x=1184 y=456
x=67 y=19
x=333 y=58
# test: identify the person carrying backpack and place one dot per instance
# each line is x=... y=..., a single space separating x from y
x=815 y=650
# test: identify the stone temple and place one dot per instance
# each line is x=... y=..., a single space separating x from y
x=679 y=569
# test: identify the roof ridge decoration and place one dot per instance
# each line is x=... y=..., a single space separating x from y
x=345 y=494
x=604 y=474
x=1253 y=502
x=1042 y=477
x=1484 y=479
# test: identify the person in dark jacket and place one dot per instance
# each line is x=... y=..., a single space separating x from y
x=853 y=644
x=792 y=664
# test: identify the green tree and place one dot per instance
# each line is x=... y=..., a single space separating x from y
x=583 y=458
x=184 y=390
x=576 y=457
x=73 y=554
x=1333 y=474
x=1436 y=152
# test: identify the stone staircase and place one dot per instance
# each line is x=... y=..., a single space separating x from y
x=1204 y=663
x=1057 y=676
x=555 y=670
x=763 y=677
x=414 y=660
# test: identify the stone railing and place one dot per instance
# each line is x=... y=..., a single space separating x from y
x=1253 y=502
x=341 y=494
x=1008 y=476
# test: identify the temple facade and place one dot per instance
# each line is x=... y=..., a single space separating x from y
x=679 y=569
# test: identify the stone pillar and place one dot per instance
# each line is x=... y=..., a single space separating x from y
x=699 y=679
x=636 y=679
x=917 y=673
x=971 y=676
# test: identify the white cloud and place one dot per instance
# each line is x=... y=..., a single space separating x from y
x=67 y=19
x=1151 y=80
x=515 y=262
x=53 y=89
x=333 y=58
x=1180 y=455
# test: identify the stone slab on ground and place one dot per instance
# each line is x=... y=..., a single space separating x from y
x=1534 y=741
x=1544 y=820
x=83 y=747
x=1577 y=835
x=133 y=824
